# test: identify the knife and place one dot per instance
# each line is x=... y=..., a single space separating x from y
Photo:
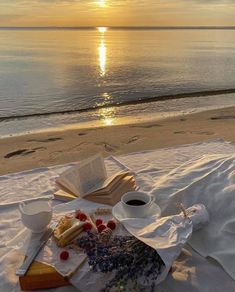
x=43 y=240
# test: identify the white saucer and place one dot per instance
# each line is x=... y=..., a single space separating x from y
x=120 y=214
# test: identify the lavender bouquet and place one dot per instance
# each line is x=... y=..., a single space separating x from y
x=143 y=257
x=127 y=257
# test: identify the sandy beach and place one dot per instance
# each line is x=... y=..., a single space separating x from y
x=57 y=147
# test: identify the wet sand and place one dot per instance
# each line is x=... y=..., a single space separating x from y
x=58 y=147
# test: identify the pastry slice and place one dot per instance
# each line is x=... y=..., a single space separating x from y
x=67 y=231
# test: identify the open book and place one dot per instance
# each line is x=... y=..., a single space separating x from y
x=83 y=177
x=89 y=180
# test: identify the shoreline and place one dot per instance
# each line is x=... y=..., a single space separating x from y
x=143 y=112
x=148 y=100
x=58 y=147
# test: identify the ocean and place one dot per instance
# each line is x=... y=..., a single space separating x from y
x=57 y=77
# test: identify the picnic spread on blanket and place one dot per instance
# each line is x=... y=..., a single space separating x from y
x=126 y=223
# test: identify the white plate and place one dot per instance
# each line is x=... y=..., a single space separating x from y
x=120 y=214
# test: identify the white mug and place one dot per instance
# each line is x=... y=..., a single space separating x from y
x=132 y=209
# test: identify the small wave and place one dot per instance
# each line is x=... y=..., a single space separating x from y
x=125 y=103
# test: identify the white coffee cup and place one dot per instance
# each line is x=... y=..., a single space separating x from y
x=131 y=207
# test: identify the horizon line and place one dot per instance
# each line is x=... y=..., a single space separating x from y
x=123 y=27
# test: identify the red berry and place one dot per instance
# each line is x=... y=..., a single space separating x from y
x=98 y=222
x=82 y=217
x=78 y=212
x=64 y=255
x=87 y=226
x=101 y=227
x=111 y=224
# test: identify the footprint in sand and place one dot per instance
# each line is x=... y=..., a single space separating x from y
x=39 y=148
x=146 y=126
x=133 y=139
x=223 y=118
x=195 y=132
x=205 y=133
x=46 y=140
x=108 y=147
x=180 y=132
x=23 y=152
x=20 y=152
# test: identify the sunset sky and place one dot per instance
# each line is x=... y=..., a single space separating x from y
x=116 y=12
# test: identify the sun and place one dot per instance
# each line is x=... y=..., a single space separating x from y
x=102 y=29
x=101 y=3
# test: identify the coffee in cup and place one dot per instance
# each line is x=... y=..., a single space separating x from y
x=136 y=204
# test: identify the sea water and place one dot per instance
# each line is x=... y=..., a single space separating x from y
x=54 y=71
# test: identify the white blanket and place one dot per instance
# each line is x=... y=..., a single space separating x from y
x=210 y=181
x=191 y=272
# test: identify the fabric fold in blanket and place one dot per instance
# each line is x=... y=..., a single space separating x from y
x=210 y=181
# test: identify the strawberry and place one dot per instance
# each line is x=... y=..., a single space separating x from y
x=98 y=222
x=87 y=226
x=82 y=216
x=64 y=255
x=111 y=224
x=101 y=227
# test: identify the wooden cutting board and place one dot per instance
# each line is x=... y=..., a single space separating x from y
x=42 y=276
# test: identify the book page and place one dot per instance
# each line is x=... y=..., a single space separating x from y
x=110 y=182
x=80 y=179
x=91 y=174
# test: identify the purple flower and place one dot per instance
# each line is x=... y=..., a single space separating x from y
x=126 y=256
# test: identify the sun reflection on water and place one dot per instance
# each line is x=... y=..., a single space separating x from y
x=108 y=116
x=102 y=51
x=106 y=96
x=102 y=58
